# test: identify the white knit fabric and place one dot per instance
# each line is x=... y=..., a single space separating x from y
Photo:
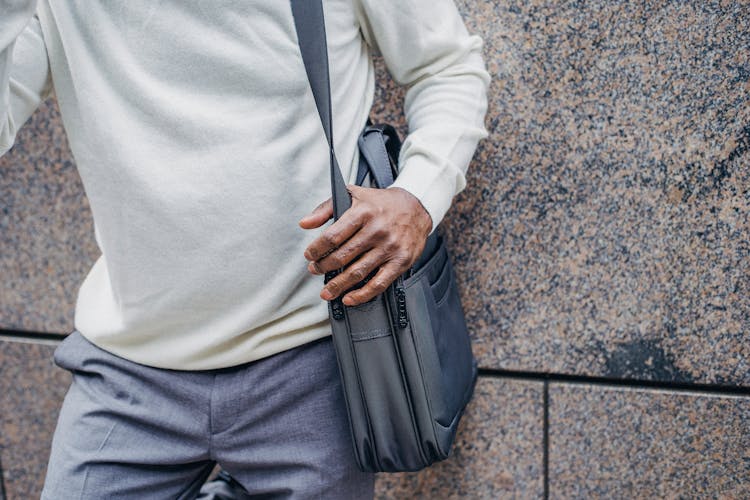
x=196 y=137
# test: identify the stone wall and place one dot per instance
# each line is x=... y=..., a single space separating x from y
x=602 y=246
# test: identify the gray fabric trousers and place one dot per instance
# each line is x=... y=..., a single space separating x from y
x=278 y=425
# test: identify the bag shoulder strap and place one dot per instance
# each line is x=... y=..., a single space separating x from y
x=311 y=36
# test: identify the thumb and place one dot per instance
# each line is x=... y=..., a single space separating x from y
x=319 y=216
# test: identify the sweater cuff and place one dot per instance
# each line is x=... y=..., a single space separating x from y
x=432 y=186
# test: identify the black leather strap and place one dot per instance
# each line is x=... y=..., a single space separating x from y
x=378 y=144
x=311 y=34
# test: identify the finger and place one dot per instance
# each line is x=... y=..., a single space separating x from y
x=352 y=275
x=355 y=189
x=377 y=285
x=319 y=216
x=354 y=247
x=335 y=235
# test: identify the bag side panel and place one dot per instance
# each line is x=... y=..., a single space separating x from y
x=444 y=351
x=453 y=346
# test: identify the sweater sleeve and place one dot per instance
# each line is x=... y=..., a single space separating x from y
x=24 y=69
x=427 y=48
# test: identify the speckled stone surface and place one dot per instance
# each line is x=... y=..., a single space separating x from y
x=604 y=230
x=31 y=392
x=498 y=452
x=46 y=230
x=605 y=227
x=610 y=442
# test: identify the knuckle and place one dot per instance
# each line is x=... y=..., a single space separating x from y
x=352 y=223
x=380 y=258
x=334 y=286
x=358 y=273
x=342 y=257
x=357 y=242
x=368 y=209
x=328 y=238
x=396 y=266
x=379 y=231
x=347 y=253
x=379 y=285
x=392 y=244
x=333 y=261
x=400 y=261
x=356 y=249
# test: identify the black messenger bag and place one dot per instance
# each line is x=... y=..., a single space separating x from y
x=404 y=357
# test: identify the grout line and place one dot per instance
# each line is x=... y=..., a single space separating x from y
x=56 y=338
x=28 y=336
x=545 y=440
x=2 y=480
x=620 y=382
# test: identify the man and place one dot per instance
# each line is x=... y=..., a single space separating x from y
x=201 y=336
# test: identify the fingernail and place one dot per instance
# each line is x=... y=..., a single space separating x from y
x=348 y=301
x=326 y=295
x=313 y=268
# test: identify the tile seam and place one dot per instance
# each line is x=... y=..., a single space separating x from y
x=2 y=480
x=690 y=387
x=545 y=439
x=30 y=336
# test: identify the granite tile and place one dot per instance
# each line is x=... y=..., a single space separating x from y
x=46 y=229
x=31 y=393
x=604 y=228
x=498 y=452
x=607 y=442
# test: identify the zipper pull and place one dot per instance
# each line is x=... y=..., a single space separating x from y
x=403 y=319
x=337 y=307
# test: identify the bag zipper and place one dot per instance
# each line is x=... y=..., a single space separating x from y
x=337 y=307
x=402 y=316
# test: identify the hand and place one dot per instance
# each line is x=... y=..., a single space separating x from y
x=384 y=228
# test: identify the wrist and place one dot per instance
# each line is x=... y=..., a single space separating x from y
x=422 y=216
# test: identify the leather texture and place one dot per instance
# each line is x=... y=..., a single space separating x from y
x=404 y=357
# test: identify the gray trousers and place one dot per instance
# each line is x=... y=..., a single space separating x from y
x=277 y=425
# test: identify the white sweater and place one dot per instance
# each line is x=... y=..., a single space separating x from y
x=198 y=143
